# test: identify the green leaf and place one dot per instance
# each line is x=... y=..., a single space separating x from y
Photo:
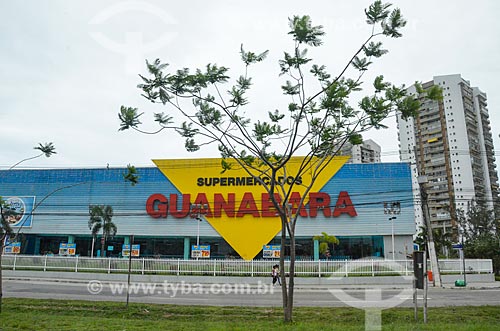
x=320 y=72
x=379 y=84
x=164 y=96
x=393 y=24
x=374 y=49
x=377 y=12
x=419 y=88
x=276 y=116
x=250 y=57
x=303 y=31
x=356 y=139
x=225 y=166
x=190 y=145
x=408 y=107
x=48 y=149
x=394 y=93
x=129 y=118
x=290 y=89
x=293 y=61
x=215 y=74
x=435 y=93
x=293 y=107
x=361 y=63
x=186 y=130
x=131 y=175
x=163 y=119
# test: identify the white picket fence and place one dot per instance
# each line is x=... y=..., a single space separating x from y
x=253 y=268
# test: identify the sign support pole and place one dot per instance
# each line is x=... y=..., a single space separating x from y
x=129 y=267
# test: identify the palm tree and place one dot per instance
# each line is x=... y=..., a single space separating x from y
x=324 y=241
x=48 y=150
x=101 y=220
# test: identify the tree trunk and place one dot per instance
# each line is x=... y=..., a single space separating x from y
x=1 y=278
x=286 y=289
x=291 y=277
x=103 y=243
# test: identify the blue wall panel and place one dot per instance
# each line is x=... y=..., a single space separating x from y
x=63 y=197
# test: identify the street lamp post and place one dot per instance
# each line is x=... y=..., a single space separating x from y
x=392 y=233
x=198 y=209
x=392 y=208
x=198 y=232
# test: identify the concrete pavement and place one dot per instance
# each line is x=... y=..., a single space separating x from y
x=474 y=281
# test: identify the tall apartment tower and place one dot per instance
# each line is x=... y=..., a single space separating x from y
x=450 y=142
x=367 y=152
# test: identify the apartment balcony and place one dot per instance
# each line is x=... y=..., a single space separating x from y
x=484 y=112
x=425 y=120
x=488 y=141
x=437 y=191
x=437 y=161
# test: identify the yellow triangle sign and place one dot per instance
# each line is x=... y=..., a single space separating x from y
x=238 y=207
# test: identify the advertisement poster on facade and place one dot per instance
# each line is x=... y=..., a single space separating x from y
x=271 y=251
x=67 y=249
x=136 y=249
x=201 y=251
x=12 y=248
x=17 y=211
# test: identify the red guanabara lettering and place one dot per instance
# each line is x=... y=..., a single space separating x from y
x=248 y=206
x=184 y=211
x=221 y=204
x=344 y=205
x=158 y=206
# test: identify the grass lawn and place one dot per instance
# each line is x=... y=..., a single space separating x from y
x=30 y=314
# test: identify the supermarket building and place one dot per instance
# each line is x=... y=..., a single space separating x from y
x=354 y=202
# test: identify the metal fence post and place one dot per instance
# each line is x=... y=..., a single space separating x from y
x=373 y=268
x=45 y=263
x=178 y=266
x=143 y=264
x=346 y=269
x=109 y=266
x=319 y=268
x=76 y=264
x=215 y=266
x=251 y=268
x=15 y=260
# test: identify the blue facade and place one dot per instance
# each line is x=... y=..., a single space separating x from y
x=62 y=199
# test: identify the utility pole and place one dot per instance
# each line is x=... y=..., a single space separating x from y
x=430 y=239
x=422 y=180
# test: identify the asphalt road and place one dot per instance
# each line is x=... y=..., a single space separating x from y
x=245 y=295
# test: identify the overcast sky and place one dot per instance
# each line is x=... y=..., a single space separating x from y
x=66 y=67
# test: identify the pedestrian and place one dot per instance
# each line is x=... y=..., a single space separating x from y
x=276 y=274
